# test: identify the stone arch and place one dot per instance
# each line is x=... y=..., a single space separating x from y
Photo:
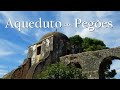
x=106 y=61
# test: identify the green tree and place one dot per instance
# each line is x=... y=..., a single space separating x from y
x=76 y=40
x=61 y=71
x=86 y=44
x=76 y=43
x=91 y=44
x=109 y=74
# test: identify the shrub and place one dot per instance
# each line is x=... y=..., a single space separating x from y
x=61 y=71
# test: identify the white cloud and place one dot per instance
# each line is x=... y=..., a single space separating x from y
x=110 y=36
x=102 y=14
x=20 y=61
x=118 y=71
x=24 y=16
x=40 y=33
x=69 y=17
x=115 y=64
x=2 y=66
x=5 y=53
x=25 y=52
x=3 y=72
x=8 y=48
x=14 y=16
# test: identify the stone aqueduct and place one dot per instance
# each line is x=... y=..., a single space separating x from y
x=55 y=46
x=92 y=62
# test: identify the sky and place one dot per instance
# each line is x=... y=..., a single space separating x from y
x=14 y=43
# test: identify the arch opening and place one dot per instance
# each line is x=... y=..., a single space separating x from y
x=108 y=68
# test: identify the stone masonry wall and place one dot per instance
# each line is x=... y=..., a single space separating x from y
x=20 y=72
x=90 y=61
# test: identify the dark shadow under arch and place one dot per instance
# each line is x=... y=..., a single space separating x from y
x=76 y=64
x=106 y=61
